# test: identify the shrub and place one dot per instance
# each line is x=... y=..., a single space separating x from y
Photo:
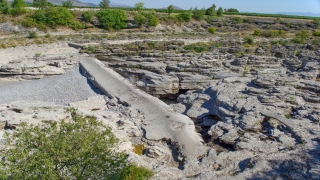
x=248 y=39
x=237 y=20
x=39 y=16
x=18 y=7
x=150 y=18
x=4 y=7
x=112 y=18
x=153 y=21
x=140 y=19
x=257 y=32
x=297 y=40
x=139 y=148
x=317 y=33
x=32 y=35
x=212 y=30
x=273 y=33
x=316 y=42
x=75 y=25
x=198 y=14
x=87 y=16
x=209 y=19
x=185 y=16
x=197 y=47
x=134 y=172
x=316 y=22
x=28 y=22
x=58 y=16
x=79 y=148
x=303 y=35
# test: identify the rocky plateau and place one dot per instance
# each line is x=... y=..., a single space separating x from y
x=249 y=111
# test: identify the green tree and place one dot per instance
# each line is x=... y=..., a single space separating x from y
x=170 y=9
x=139 y=6
x=112 y=18
x=67 y=4
x=233 y=10
x=220 y=12
x=104 y=4
x=41 y=4
x=198 y=14
x=211 y=11
x=80 y=148
x=4 y=6
x=18 y=7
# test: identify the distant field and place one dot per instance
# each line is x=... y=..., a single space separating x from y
x=176 y=12
x=273 y=15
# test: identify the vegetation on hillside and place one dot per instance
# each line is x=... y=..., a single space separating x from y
x=78 y=148
x=112 y=18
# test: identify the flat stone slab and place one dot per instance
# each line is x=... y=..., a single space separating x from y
x=160 y=120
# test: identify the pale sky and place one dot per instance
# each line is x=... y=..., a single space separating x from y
x=259 y=6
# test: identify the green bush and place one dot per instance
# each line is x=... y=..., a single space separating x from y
x=87 y=16
x=79 y=148
x=29 y=22
x=75 y=25
x=317 y=33
x=18 y=7
x=140 y=19
x=32 y=35
x=4 y=7
x=135 y=172
x=209 y=19
x=248 y=39
x=316 y=42
x=112 y=18
x=153 y=21
x=197 y=47
x=257 y=32
x=303 y=35
x=272 y=33
x=52 y=17
x=185 y=16
x=198 y=14
x=212 y=30
x=237 y=20
x=39 y=16
x=297 y=40
x=316 y=22
x=58 y=16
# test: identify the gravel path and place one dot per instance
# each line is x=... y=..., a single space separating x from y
x=70 y=87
